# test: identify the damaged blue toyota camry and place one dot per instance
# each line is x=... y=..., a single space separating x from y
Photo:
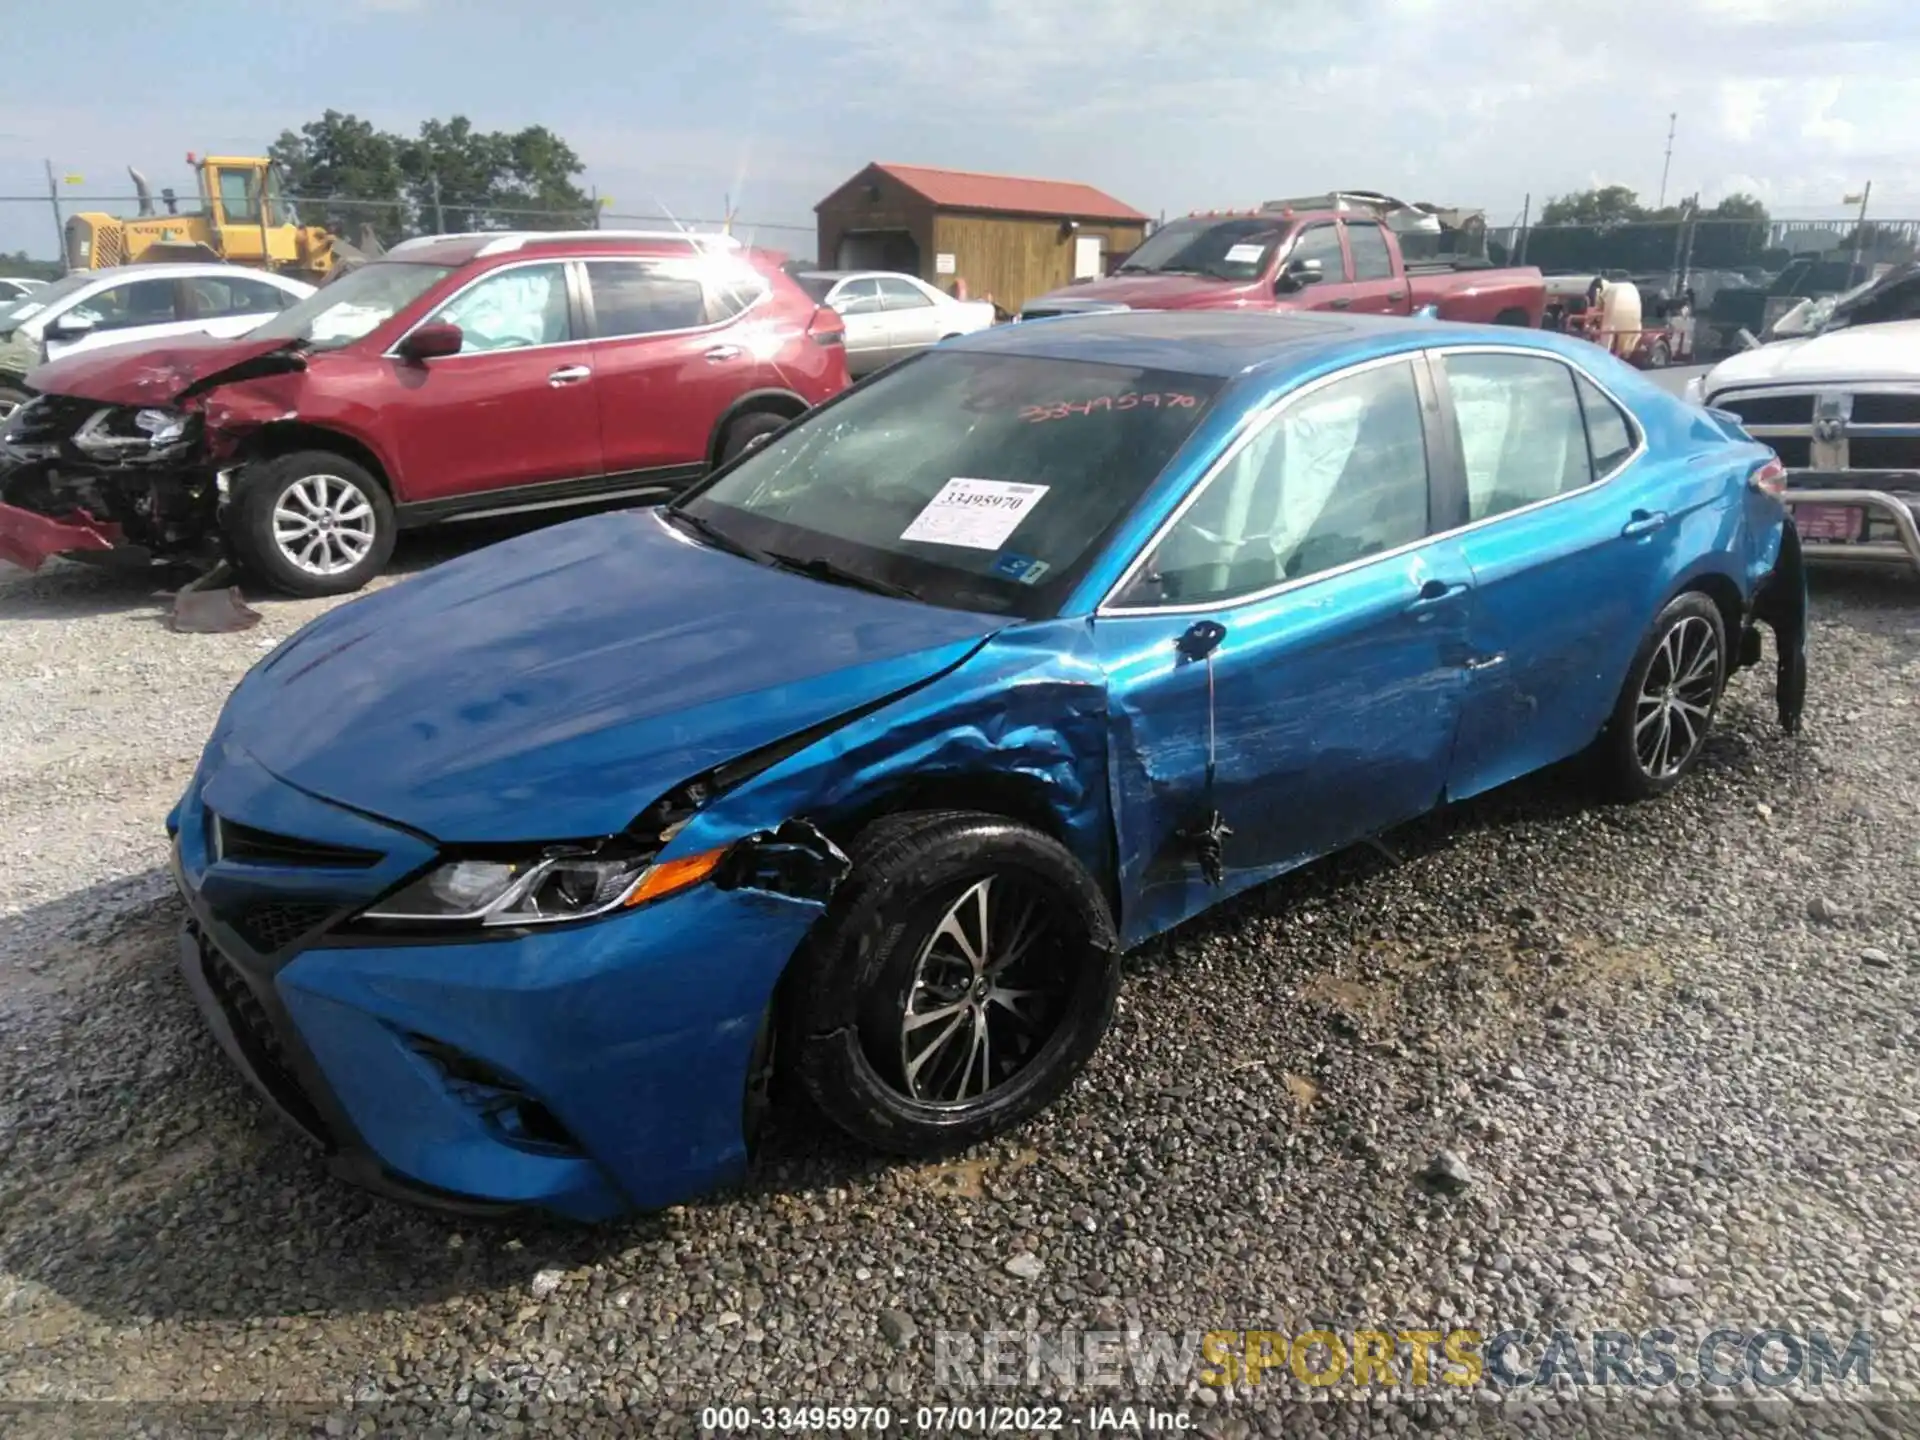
x=517 y=883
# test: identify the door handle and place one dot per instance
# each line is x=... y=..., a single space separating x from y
x=1643 y=522
x=1340 y=304
x=567 y=374
x=1396 y=295
x=723 y=352
x=1436 y=592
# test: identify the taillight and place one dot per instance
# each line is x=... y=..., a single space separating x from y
x=1769 y=478
x=826 y=328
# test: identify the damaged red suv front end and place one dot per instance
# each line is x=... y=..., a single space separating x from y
x=113 y=452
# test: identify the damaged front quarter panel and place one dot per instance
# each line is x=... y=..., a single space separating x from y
x=795 y=859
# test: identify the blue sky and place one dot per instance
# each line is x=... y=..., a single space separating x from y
x=1171 y=105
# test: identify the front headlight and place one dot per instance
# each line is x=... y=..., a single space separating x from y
x=117 y=431
x=549 y=889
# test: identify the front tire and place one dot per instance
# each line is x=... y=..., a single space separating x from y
x=1660 y=722
x=963 y=977
x=313 y=523
x=12 y=397
x=1660 y=356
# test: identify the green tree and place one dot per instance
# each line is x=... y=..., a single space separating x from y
x=347 y=174
x=1610 y=205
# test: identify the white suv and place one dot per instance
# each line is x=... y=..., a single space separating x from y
x=94 y=308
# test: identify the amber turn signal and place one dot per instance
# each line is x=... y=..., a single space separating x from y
x=672 y=876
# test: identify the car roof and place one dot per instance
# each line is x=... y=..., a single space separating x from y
x=461 y=249
x=1226 y=343
x=858 y=275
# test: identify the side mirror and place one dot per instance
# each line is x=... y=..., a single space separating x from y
x=71 y=327
x=432 y=340
x=1301 y=273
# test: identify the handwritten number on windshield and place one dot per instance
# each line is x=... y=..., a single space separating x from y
x=1131 y=400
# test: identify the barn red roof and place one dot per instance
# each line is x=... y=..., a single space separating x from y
x=969 y=190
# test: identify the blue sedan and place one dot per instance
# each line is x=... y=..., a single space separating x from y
x=514 y=884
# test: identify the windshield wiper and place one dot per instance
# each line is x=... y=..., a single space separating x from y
x=715 y=537
x=821 y=568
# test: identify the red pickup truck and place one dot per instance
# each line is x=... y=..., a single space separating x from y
x=1285 y=258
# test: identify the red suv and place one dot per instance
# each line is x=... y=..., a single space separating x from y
x=457 y=376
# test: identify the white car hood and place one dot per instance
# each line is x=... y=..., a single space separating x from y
x=1864 y=354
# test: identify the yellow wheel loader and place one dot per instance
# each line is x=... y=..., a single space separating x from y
x=244 y=218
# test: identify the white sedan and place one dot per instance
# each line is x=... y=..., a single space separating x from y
x=888 y=316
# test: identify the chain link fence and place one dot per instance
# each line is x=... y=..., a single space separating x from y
x=379 y=224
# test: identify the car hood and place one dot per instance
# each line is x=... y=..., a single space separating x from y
x=1147 y=292
x=153 y=372
x=1840 y=357
x=553 y=686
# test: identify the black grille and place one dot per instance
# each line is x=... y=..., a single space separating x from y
x=234 y=841
x=272 y=924
x=1770 y=409
x=1795 y=451
x=1886 y=409
x=256 y=1036
x=1881 y=452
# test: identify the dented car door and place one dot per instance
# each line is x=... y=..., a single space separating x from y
x=1285 y=664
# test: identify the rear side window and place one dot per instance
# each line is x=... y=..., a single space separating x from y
x=1338 y=475
x=899 y=295
x=1370 y=258
x=645 y=297
x=1522 y=434
x=857 y=297
x=1607 y=427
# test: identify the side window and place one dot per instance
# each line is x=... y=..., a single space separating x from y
x=1322 y=243
x=256 y=297
x=857 y=297
x=1370 y=258
x=1521 y=431
x=899 y=295
x=646 y=297
x=238 y=198
x=1608 y=429
x=209 y=298
x=140 y=302
x=512 y=309
x=1337 y=475
x=731 y=289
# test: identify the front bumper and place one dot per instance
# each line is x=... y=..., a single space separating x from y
x=584 y=1070
x=1891 y=500
x=29 y=539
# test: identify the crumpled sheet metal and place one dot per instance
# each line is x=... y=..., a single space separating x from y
x=1029 y=706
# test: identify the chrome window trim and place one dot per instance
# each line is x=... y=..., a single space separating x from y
x=1109 y=609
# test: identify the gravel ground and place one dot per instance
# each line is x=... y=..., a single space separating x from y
x=1671 y=1049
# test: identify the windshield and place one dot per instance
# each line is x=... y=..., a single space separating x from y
x=816 y=286
x=974 y=482
x=343 y=310
x=16 y=312
x=1225 y=249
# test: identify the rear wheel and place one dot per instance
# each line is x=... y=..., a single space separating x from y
x=12 y=397
x=748 y=431
x=313 y=523
x=1660 y=356
x=1660 y=721
x=964 y=977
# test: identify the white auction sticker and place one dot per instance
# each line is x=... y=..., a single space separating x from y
x=1245 y=254
x=979 y=514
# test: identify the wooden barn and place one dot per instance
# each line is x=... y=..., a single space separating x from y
x=996 y=236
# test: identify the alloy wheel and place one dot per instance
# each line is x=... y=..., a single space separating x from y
x=990 y=987
x=324 y=524
x=1676 y=698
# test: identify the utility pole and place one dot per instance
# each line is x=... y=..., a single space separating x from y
x=1526 y=216
x=59 y=224
x=1673 y=123
x=439 y=214
x=1859 y=228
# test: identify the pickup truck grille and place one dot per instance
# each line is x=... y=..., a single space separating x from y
x=1832 y=429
